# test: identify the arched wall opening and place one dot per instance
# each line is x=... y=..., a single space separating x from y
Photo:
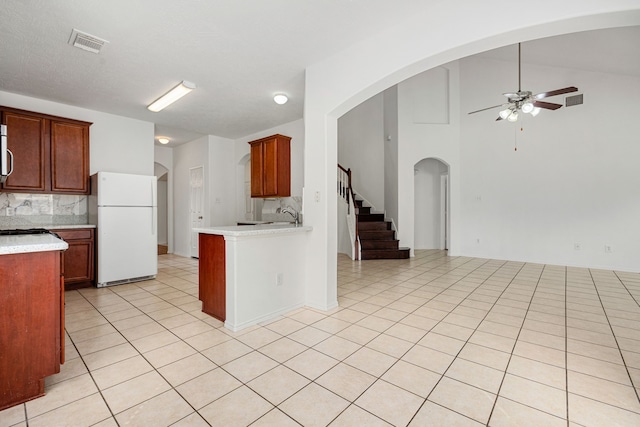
x=431 y=197
x=165 y=214
x=405 y=57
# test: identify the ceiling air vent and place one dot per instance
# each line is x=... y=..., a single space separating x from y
x=570 y=101
x=86 y=41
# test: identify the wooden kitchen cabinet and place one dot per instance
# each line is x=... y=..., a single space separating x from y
x=31 y=328
x=271 y=166
x=212 y=282
x=79 y=259
x=51 y=154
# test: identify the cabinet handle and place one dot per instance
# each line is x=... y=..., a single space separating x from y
x=10 y=162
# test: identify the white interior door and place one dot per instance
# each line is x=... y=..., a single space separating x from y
x=196 y=205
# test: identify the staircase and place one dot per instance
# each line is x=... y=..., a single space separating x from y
x=377 y=239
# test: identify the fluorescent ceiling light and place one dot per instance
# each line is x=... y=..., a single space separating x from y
x=172 y=96
x=163 y=140
x=280 y=99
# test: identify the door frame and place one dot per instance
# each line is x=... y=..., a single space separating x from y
x=444 y=211
x=193 y=241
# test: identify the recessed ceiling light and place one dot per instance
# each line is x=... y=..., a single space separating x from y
x=280 y=99
x=172 y=96
x=163 y=140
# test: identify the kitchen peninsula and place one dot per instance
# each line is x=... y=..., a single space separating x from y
x=32 y=315
x=249 y=274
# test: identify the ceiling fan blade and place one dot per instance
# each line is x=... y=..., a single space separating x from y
x=489 y=108
x=499 y=118
x=556 y=92
x=547 y=105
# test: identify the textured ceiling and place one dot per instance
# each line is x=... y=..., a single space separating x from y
x=239 y=53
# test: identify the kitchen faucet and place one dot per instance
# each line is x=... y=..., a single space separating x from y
x=291 y=212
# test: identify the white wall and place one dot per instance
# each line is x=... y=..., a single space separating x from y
x=163 y=234
x=574 y=179
x=164 y=156
x=222 y=185
x=391 y=154
x=117 y=144
x=427 y=203
x=361 y=149
x=339 y=83
x=344 y=239
x=423 y=135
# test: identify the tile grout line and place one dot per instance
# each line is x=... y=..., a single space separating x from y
x=635 y=390
x=495 y=402
x=136 y=349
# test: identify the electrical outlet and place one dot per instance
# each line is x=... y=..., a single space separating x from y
x=11 y=211
x=608 y=249
x=317 y=197
x=577 y=246
x=279 y=279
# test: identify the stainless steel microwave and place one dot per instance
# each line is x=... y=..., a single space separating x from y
x=6 y=156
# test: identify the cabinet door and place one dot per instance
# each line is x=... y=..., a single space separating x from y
x=270 y=167
x=257 y=167
x=78 y=259
x=27 y=139
x=69 y=157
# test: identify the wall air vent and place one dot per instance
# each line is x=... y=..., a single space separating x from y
x=86 y=41
x=570 y=101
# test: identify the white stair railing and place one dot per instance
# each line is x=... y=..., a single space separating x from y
x=346 y=192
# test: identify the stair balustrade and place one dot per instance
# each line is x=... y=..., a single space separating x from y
x=345 y=191
x=371 y=235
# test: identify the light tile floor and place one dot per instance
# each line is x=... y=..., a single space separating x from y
x=430 y=341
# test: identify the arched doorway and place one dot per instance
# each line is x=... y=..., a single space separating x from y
x=431 y=204
x=162 y=174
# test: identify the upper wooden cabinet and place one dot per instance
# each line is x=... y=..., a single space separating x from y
x=271 y=167
x=51 y=154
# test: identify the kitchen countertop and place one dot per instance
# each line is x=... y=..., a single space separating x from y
x=31 y=243
x=46 y=226
x=254 y=230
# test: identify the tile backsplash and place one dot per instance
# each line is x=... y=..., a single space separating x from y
x=22 y=209
x=272 y=208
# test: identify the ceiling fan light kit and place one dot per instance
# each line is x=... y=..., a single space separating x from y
x=526 y=101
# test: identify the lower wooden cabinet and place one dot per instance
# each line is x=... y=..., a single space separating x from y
x=212 y=289
x=32 y=332
x=79 y=259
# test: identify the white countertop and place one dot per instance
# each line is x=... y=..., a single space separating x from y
x=46 y=226
x=254 y=230
x=30 y=243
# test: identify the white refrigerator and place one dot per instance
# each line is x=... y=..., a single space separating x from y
x=124 y=209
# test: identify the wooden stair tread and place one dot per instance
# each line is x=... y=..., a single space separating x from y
x=377 y=235
x=374 y=225
x=379 y=244
x=403 y=253
x=377 y=239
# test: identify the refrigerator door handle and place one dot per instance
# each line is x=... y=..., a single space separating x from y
x=153 y=221
x=153 y=195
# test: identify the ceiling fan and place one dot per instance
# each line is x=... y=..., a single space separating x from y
x=526 y=101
